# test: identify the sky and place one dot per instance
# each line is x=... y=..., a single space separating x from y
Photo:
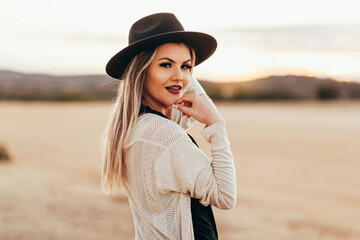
x=255 y=38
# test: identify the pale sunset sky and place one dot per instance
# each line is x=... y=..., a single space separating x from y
x=255 y=38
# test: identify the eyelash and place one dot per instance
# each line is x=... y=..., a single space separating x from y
x=187 y=66
x=166 y=65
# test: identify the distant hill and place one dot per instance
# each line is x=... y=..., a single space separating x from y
x=19 y=86
x=284 y=87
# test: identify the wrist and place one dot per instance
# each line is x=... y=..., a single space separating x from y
x=212 y=121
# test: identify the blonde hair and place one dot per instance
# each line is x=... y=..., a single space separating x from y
x=122 y=120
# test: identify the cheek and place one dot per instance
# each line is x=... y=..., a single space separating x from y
x=187 y=80
x=154 y=84
x=156 y=78
x=150 y=87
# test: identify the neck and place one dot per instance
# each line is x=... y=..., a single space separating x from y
x=167 y=111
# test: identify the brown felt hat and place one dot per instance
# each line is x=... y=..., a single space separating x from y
x=152 y=31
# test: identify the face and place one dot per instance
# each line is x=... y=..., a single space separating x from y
x=168 y=75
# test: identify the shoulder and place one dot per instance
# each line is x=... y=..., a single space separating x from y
x=157 y=130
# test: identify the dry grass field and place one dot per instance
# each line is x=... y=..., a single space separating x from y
x=298 y=166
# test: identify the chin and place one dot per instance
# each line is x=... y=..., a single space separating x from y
x=169 y=104
x=177 y=98
x=172 y=99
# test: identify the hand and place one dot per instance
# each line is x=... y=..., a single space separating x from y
x=200 y=107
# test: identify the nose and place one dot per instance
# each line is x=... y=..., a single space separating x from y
x=178 y=74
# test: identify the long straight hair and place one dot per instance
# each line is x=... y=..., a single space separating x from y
x=123 y=118
x=121 y=121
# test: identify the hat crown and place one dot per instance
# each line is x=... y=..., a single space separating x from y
x=155 y=24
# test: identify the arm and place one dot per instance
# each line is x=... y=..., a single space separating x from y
x=185 y=168
x=184 y=122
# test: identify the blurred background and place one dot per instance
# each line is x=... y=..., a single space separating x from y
x=285 y=77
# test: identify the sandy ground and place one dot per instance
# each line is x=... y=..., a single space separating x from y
x=297 y=163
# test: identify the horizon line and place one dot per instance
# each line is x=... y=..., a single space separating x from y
x=232 y=79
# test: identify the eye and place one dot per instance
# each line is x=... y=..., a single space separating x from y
x=186 y=66
x=165 y=65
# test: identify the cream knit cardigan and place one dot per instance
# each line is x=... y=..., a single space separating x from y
x=165 y=169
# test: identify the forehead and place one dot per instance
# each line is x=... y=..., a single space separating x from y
x=174 y=51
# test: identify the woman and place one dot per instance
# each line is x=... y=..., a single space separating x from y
x=170 y=182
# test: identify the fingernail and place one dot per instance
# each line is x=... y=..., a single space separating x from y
x=175 y=106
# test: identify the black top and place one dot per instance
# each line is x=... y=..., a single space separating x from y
x=202 y=217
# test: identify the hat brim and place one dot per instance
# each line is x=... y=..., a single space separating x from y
x=203 y=44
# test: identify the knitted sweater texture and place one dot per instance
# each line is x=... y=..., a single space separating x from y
x=165 y=169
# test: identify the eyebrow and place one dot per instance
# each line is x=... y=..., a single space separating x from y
x=170 y=60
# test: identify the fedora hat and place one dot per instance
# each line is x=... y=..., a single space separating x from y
x=154 y=30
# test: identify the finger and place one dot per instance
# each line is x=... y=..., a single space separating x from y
x=184 y=109
x=185 y=98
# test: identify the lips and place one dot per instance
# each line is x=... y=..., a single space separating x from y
x=174 y=89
